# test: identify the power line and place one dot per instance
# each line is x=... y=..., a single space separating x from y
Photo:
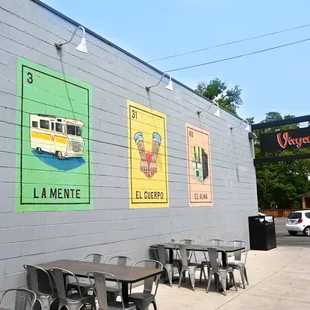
x=239 y=56
x=231 y=43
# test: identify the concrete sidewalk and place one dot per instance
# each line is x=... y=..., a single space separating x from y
x=279 y=279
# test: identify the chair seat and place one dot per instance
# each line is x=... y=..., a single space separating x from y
x=76 y=298
x=140 y=296
x=118 y=305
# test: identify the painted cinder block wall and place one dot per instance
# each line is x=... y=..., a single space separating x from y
x=28 y=30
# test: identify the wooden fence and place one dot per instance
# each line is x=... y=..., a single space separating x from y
x=278 y=213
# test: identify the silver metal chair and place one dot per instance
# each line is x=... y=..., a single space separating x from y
x=119 y=260
x=40 y=282
x=18 y=299
x=187 y=241
x=206 y=262
x=101 y=293
x=70 y=301
x=112 y=288
x=186 y=253
x=162 y=257
x=240 y=258
x=144 y=299
x=216 y=242
x=85 y=286
x=221 y=271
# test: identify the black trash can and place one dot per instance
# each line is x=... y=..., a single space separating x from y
x=262 y=233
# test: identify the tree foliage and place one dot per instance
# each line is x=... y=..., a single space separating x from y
x=216 y=90
x=280 y=184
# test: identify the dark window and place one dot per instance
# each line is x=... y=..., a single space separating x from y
x=44 y=124
x=35 y=124
x=74 y=130
x=295 y=215
x=58 y=127
x=53 y=126
x=71 y=130
x=308 y=215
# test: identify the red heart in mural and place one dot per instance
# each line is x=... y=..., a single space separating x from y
x=149 y=159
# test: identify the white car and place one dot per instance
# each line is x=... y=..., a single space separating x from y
x=298 y=221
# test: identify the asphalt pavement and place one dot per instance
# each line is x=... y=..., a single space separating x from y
x=284 y=239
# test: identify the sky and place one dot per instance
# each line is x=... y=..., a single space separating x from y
x=277 y=80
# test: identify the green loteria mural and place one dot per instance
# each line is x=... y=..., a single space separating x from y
x=53 y=141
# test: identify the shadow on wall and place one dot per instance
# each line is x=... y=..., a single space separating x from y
x=66 y=164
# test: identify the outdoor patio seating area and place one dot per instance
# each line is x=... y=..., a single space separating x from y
x=100 y=282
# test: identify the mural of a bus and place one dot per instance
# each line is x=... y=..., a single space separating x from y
x=56 y=135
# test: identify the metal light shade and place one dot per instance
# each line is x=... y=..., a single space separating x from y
x=217 y=112
x=170 y=85
x=82 y=47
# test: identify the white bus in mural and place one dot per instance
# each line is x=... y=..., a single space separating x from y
x=55 y=135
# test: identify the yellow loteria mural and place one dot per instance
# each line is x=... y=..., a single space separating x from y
x=199 y=166
x=147 y=157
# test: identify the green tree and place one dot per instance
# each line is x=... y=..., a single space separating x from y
x=216 y=90
x=280 y=184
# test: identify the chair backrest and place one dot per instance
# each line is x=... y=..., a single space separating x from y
x=100 y=287
x=187 y=241
x=119 y=260
x=95 y=257
x=238 y=254
x=213 y=257
x=149 y=282
x=185 y=253
x=161 y=253
x=216 y=242
x=18 y=299
x=39 y=280
x=59 y=275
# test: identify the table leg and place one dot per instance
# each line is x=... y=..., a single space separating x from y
x=225 y=264
x=125 y=293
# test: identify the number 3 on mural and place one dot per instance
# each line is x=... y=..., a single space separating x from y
x=30 y=78
x=148 y=175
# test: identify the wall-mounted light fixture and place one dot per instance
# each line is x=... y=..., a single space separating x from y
x=252 y=135
x=248 y=126
x=216 y=113
x=82 y=47
x=169 y=86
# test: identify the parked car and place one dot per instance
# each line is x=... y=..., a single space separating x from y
x=298 y=221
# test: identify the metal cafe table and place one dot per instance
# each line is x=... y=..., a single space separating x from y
x=125 y=274
x=202 y=247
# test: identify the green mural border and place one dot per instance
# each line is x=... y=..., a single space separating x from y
x=41 y=206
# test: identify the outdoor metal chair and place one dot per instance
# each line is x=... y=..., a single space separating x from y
x=85 y=286
x=216 y=242
x=206 y=263
x=186 y=253
x=101 y=292
x=18 y=299
x=40 y=282
x=162 y=257
x=112 y=288
x=187 y=241
x=144 y=299
x=221 y=271
x=240 y=258
x=74 y=301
